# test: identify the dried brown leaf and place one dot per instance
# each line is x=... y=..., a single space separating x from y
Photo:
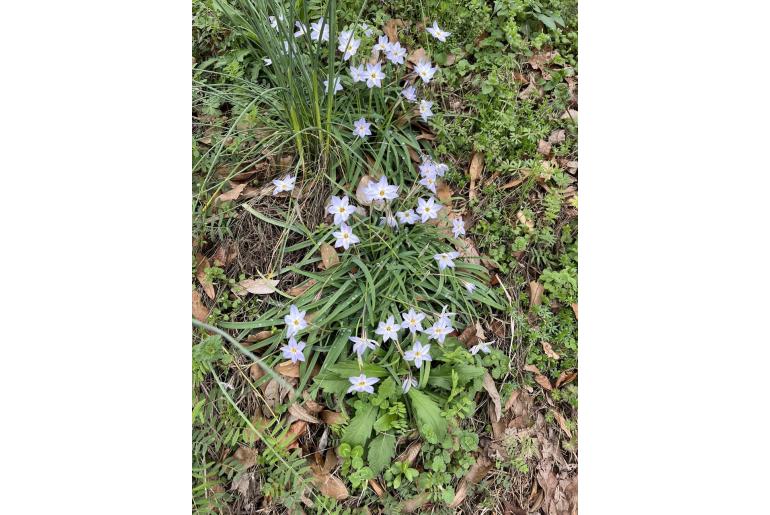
x=415 y=503
x=258 y=337
x=258 y=286
x=443 y=191
x=330 y=486
x=417 y=55
x=426 y=136
x=474 y=172
x=570 y=114
x=549 y=350
x=475 y=474
x=256 y=371
x=332 y=417
x=232 y=194
x=329 y=256
x=557 y=136
x=543 y=147
x=199 y=310
x=272 y=393
x=489 y=386
x=539 y=377
x=246 y=456
x=575 y=309
x=410 y=454
x=302 y=414
x=301 y=288
x=360 y=195
x=288 y=369
x=535 y=294
x=565 y=377
x=562 y=423
x=513 y=183
x=200 y=273
x=391 y=28
x=376 y=487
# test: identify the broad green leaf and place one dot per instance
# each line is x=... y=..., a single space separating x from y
x=360 y=426
x=381 y=452
x=430 y=423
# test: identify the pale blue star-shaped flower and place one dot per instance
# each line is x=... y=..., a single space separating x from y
x=285 y=184
x=408 y=383
x=446 y=259
x=337 y=85
x=362 y=383
x=482 y=346
x=458 y=227
x=293 y=350
x=315 y=30
x=295 y=321
x=438 y=331
x=345 y=237
x=360 y=345
x=362 y=128
x=410 y=93
x=437 y=33
x=424 y=109
x=341 y=208
x=357 y=73
x=427 y=209
x=407 y=217
x=374 y=75
x=418 y=353
x=382 y=45
x=396 y=53
x=388 y=329
x=381 y=190
x=424 y=70
x=301 y=29
x=412 y=320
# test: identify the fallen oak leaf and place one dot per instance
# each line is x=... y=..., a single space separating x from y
x=246 y=456
x=539 y=377
x=258 y=337
x=257 y=286
x=329 y=256
x=200 y=273
x=330 y=486
x=549 y=350
x=391 y=29
x=288 y=369
x=332 y=417
x=443 y=191
x=543 y=147
x=562 y=423
x=489 y=386
x=565 y=377
x=296 y=291
x=474 y=172
x=557 y=136
x=535 y=294
x=232 y=194
x=199 y=311
x=417 y=55
x=475 y=474
x=256 y=371
x=301 y=414
x=410 y=454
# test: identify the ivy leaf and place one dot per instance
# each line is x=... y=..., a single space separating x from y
x=360 y=427
x=428 y=415
x=381 y=452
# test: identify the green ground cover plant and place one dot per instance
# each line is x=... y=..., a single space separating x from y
x=376 y=323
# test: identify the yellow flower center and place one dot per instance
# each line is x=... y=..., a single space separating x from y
x=382 y=193
x=293 y=350
x=342 y=209
x=362 y=383
x=296 y=321
x=417 y=354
